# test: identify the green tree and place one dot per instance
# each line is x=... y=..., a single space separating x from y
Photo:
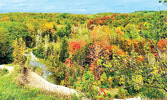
x=5 y=48
x=17 y=30
x=64 y=51
x=163 y=2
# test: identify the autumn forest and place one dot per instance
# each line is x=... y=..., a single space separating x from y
x=101 y=56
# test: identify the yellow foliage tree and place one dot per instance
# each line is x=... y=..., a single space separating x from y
x=18 y=52
x=31 y=28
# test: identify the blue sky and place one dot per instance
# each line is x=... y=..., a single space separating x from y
x=79 y=6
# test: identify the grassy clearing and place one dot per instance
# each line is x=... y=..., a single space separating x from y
x=9 y=90
x=3 y=72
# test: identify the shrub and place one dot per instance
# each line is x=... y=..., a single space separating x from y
x=38 y=52
x=153 y=92
x=3 y=71
x=123 y=93
x=38 y=70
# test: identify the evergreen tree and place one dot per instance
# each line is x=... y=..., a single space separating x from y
x=64 y=51
x=67 y=29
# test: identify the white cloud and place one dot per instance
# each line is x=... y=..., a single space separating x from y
x=2 y=5
x=77 y=10
x=15 y=1
x=132 y=0
x=20 y=5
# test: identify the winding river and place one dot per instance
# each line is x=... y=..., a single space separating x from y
x=38 y=64
x=48 y=76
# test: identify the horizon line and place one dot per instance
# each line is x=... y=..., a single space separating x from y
x=82 y=13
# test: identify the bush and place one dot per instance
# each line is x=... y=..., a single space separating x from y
x=86 y=85
x=103 y=79
x=153 y=92
x=123 y=93
x=3 y=71
x=38 y=52
x=38 y=70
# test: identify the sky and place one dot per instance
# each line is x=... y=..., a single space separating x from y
x=79 y=6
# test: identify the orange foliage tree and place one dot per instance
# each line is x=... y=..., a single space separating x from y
x=162 y=44
x=73 y=47
x=117 y=50
x=118 y=30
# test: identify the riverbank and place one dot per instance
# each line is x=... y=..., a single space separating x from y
x=34 y=80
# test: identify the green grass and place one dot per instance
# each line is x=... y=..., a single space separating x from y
x=9 y=90
x=3 y=72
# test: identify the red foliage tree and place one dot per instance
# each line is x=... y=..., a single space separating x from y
x=95 y=52
x=74 y=45
x=97 y=21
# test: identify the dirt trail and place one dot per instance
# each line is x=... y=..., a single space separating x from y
x=37 y=81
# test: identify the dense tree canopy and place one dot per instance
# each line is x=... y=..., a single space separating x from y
x=87 y=52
